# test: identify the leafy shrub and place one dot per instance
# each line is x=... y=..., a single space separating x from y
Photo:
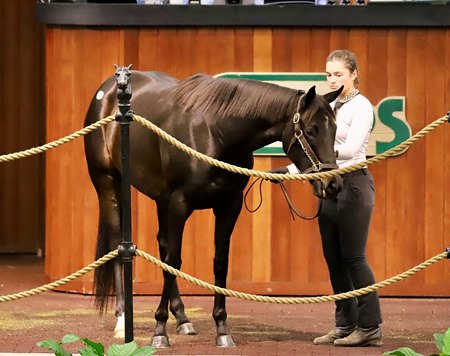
x=92 y=348
x=442 y=343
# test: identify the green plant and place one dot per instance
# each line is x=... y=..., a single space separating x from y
x=94 y=348
x=442 y=343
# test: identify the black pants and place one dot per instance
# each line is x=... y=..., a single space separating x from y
x=344 y=228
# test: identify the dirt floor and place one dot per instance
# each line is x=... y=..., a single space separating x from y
x=258 y=328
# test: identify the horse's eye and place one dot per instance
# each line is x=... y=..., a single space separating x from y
x=311 y=131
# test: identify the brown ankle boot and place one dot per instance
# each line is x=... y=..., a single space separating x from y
x=336 y=333
x=362 y=337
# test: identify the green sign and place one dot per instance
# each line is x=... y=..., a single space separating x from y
x=390 y=125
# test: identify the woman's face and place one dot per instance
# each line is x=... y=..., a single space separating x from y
x=338 y=74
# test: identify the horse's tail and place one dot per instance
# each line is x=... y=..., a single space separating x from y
x=103 y=276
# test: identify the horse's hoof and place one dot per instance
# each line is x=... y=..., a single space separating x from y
x=119 y=334
x=119 y=330
x=225 y=341
x=160 y=342
x=186 y=329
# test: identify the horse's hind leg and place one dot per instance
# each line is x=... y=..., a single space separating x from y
x=109 y=238
x=171 y=219
x=226 y=216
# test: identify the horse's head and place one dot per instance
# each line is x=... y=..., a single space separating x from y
x=308 y=140
x=123 y=75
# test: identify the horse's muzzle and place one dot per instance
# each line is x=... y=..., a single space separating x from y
x=328 y=188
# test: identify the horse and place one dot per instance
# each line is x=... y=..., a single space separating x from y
x=226 y=119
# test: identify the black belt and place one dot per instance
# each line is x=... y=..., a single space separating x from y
x=358 y=172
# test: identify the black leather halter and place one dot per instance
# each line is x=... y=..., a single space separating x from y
x=316 y=165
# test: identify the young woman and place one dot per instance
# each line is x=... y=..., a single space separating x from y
x=344 y=222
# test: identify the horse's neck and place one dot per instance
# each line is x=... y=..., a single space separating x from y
x=266 y=127
x=249 y=134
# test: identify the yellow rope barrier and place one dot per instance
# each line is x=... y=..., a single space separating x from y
x=229 y=292
x=62 y=281
x=235 y=169
x=265 y=175
x=300 y=300
x=61 y=141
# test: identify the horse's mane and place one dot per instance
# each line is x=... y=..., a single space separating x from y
x=234 y=97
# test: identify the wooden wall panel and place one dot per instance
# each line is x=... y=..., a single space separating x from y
x=69 y=92
x=395 y=166
x=22 y=102
x=300 y=54
x=434 y=199
x=445 y=153
x=270 y=253
x=376 y=78
x=10 y=144
x=415 y=187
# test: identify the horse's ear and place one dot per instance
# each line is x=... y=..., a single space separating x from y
x=116 y=66
x=331 y=96
x=301 y=92
x=129 y=67
x=310 y=96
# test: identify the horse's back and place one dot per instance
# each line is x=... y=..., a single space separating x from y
x=104 y=102
x=151 y=82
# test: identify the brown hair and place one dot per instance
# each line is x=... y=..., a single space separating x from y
x=348 y=57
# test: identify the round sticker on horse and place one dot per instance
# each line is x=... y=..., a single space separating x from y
x=226 y=119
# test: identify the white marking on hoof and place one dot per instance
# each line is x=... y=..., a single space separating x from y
x=119 y=330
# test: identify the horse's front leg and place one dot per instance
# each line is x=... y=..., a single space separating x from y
x=226 y=216
x=160 y=338
x=184 y=326
x=171 y=218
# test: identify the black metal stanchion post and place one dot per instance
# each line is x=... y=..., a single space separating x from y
x=126 y=248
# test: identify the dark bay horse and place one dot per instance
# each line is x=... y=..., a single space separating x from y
x=226 y=119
